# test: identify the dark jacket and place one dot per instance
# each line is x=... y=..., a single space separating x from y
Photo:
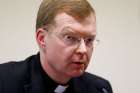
x=25 y=77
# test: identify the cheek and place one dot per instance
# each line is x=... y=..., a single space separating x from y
x=55 y=53
x=58 y=53
x=89 y=54
x=69 y=52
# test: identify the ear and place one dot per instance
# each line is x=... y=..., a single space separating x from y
x=40 y=37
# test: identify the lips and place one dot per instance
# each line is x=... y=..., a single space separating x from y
x=78 y=64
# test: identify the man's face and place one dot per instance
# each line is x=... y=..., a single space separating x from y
x=69 y=45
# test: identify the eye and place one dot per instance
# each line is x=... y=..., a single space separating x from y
x=89 y=40
x=70 y=39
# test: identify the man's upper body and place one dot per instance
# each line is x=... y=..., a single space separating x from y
x=66 y=36
x=28 y=77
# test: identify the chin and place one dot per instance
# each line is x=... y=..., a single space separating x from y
x=77 y=73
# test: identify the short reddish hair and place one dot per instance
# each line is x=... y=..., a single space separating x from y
x=79 y=9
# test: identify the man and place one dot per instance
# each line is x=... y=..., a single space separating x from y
x=65 y=33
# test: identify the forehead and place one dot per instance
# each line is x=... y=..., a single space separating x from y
x=86 y=26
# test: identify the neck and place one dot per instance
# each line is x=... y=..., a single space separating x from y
x=52 y=73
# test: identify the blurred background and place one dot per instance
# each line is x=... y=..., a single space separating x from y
x=117 y=56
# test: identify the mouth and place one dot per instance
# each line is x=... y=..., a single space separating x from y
x=79 y=65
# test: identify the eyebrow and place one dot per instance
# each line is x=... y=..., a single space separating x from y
x=69 y=30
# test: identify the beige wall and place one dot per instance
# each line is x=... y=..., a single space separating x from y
x=116 y=58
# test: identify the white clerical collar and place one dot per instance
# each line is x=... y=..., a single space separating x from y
x=60 y=89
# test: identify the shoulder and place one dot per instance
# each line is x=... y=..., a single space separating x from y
x=14 y=75
x=100 y=83
x=92 y=78
x=13 y=66
x=14 y=70
x=17 y=66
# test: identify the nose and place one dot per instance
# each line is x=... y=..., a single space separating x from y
x=82 y=47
